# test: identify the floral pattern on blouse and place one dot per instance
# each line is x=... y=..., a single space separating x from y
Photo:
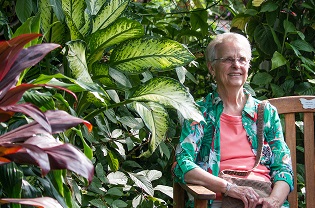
x=199 y=144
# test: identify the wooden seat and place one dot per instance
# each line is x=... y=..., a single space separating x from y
x=290 y=107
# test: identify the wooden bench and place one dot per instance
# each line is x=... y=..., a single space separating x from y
x=289 y=107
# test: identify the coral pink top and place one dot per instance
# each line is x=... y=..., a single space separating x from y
x=236 y=152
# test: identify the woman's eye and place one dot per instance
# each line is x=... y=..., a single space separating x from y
x=229 y=59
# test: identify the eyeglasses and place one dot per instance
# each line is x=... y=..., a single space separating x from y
x=230 y=60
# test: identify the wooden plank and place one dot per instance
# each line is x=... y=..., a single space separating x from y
x=198 y=191
x=200 y=203
x=293 y=104
x=309 y=159
x=178 y=196
x=290 y=136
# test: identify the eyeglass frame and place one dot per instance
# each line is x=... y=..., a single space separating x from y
x=230 y=60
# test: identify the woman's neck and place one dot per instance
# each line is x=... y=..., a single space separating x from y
x=233 y=101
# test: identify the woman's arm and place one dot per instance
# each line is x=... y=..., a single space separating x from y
x=216 y=184
x=278 y=195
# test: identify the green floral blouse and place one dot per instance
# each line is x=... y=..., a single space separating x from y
x=200 y=142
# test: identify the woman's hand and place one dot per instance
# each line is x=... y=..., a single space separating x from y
x=247 y=194
x=269 y=202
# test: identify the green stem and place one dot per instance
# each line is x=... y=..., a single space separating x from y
x=102 y=109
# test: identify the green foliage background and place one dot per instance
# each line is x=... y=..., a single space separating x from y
x=116 y=55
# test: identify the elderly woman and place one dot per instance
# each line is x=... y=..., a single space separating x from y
x=228 y=137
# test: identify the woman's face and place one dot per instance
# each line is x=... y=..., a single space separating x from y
x=231 y=65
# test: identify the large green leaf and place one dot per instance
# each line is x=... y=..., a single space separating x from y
x=257 y=3
x=121 y=30
x=240 y=21
x=135 y=56
x=11 y=179
x=31 y=25
x=54 y=30
x=171 y=93
x=265 y=39
x=74 y=31
x=155 y=118
x=109 y=14
x=302 y=45
x=142 y=182
x=75 y=10
x=23 y=9
x=93 y=6
x=262 y=78
x=75 y=53
x=278 y=60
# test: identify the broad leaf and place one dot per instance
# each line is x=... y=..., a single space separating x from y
x=75 y=53
x=142 y=182
x=11 y=180
x=152 y=174
x=155 y=118
x=257 y=3
x=26 y=58
x=43 y=150
x=74 y=9
x=27 y=109
x=9 y=51
x=23 y=9
x=122 y=29
x=265 y=40
x=74 y=31
x=117 y=178
x=268 y=6
x=240 y=21
x=59 y=121
x=53 y=27
x=108 y=14
x=262 y=78
x=168 y=190
x=277 y=60
x=93 y=6
x=171 y=93
x=138 y=55
x=302 y=45
x=31 y=25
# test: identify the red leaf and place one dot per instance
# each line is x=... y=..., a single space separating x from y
x=69 y=157
x=26 y=58
x=58 y=120
x=15 y=94
x=8 y=150
x=31 y=110
x=5 y=115
x=61 y=121
x=43 y=202
x=31 y=154
x=9 y=51
x=4 y=160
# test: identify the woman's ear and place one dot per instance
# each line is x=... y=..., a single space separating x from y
x=210 y=68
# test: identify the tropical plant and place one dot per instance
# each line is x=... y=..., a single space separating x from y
x=33 y=142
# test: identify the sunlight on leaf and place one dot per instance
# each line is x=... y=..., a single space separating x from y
x=142 y=182
x=155 y=118
x=257 y=3
x=171 y=93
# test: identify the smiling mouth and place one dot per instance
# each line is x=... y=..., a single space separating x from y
x=235 y=74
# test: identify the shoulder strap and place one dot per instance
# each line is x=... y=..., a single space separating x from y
x=260 y=137
x=260 y=132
